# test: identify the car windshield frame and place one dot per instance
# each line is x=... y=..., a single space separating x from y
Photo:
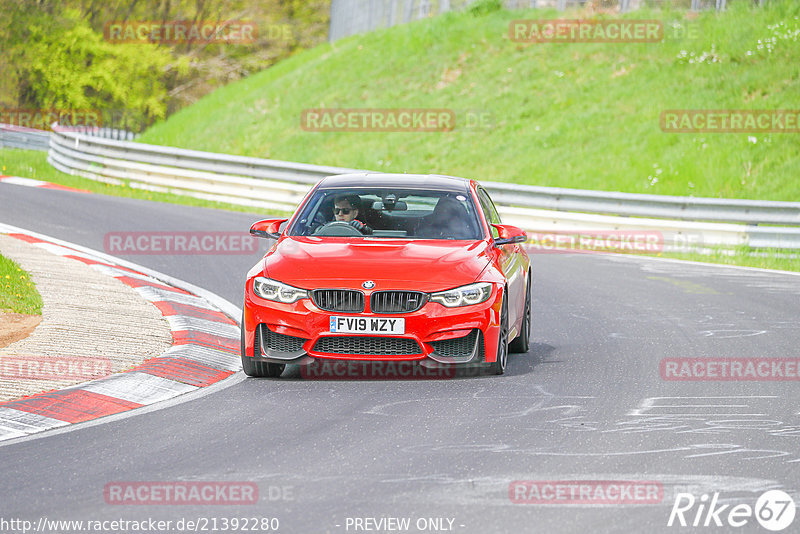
x=408 y=213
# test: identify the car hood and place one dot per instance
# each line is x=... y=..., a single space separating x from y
x=424 y=265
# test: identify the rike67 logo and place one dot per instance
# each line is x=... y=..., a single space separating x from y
x=774 y=510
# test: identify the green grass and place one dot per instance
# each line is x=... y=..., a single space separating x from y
x=745 y=257
x=33 y=164
x=17 y=292
x=571 y=115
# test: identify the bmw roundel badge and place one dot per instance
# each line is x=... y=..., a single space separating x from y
x=369 y=284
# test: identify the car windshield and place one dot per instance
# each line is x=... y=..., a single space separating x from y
x=389 y=214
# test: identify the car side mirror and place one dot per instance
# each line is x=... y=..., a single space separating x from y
x=509 y=234
x=267 y=228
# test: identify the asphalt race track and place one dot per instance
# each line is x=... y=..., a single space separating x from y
x=586 y=403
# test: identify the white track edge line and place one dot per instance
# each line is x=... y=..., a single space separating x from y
x=232 y=380
x=229 y=309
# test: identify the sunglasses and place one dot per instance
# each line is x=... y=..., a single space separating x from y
x=344 y=211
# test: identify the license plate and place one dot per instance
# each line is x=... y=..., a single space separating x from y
x=368 y=325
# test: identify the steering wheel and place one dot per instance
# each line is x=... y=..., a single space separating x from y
x=338 y=229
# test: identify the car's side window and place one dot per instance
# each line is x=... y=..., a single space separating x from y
x=489 y=211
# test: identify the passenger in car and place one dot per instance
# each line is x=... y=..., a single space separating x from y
x=449 y=220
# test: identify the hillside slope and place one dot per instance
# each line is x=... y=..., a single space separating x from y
x=582 y=115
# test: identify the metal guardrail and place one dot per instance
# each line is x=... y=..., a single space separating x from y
x=677 y=236
x=227 y=174
x=105 y=132
x=235 y=179
x=32 y=139
x=281 y=185
x=24 y=138
x=638 y=205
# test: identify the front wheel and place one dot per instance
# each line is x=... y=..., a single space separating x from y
x=258 y=369
x=498 y=367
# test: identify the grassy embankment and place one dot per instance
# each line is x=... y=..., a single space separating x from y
x=570 y=114
x=17 y=292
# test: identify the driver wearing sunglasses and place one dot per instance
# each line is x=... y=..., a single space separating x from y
x=346 y=209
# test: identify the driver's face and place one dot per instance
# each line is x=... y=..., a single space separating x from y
x=343 y=211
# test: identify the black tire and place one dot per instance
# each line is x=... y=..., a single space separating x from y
x=258 y=369
x=522 y=343
x=498 y=367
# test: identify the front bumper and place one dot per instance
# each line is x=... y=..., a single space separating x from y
x=299 y=332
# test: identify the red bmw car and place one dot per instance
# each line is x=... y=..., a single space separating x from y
x=388 y=267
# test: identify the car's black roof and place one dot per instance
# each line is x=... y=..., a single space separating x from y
x=414 y=181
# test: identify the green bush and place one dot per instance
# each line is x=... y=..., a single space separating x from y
x=53 y=54
x=68 y=66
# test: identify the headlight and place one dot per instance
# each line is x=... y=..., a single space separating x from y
x=464 y=295
x=269 y=289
